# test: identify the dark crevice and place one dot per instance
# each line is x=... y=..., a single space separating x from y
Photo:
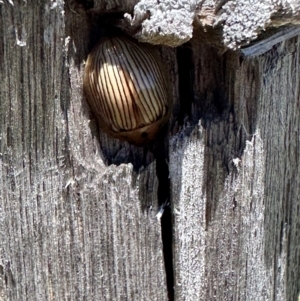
x=163 y=194
x=87 y=4
x=186 y=94
x=185 y=81
x=167 y=232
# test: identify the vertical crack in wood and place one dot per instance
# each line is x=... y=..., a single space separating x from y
x=185 y=81
x=186 y=76
x=163 y=196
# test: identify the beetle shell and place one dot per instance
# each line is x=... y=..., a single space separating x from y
x=125 y=86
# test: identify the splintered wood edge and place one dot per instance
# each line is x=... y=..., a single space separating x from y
x=265 y=45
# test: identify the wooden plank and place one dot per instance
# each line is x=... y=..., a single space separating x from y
x=73 y=226
x=235 y=179
x=78 y=209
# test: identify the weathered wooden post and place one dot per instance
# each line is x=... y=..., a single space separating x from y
x=209 y=211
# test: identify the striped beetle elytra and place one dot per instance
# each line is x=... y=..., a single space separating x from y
x=126 y=87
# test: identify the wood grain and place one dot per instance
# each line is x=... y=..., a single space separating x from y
x=235 y=179
x=78 y=208
x=72 y=226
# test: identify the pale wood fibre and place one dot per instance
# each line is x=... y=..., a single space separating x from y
x=235 y=181
x=72 y=227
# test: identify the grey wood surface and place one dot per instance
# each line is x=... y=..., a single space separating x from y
x=73 y=226
x=78 y=209
x=235 y=179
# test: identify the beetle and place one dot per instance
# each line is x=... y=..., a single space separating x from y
x=125 y=85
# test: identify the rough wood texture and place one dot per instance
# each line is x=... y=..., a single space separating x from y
x=164 y=22
x=244 y=20
x=235 y=23
x=72 y=226
x=235 y=179
x=78 y=209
